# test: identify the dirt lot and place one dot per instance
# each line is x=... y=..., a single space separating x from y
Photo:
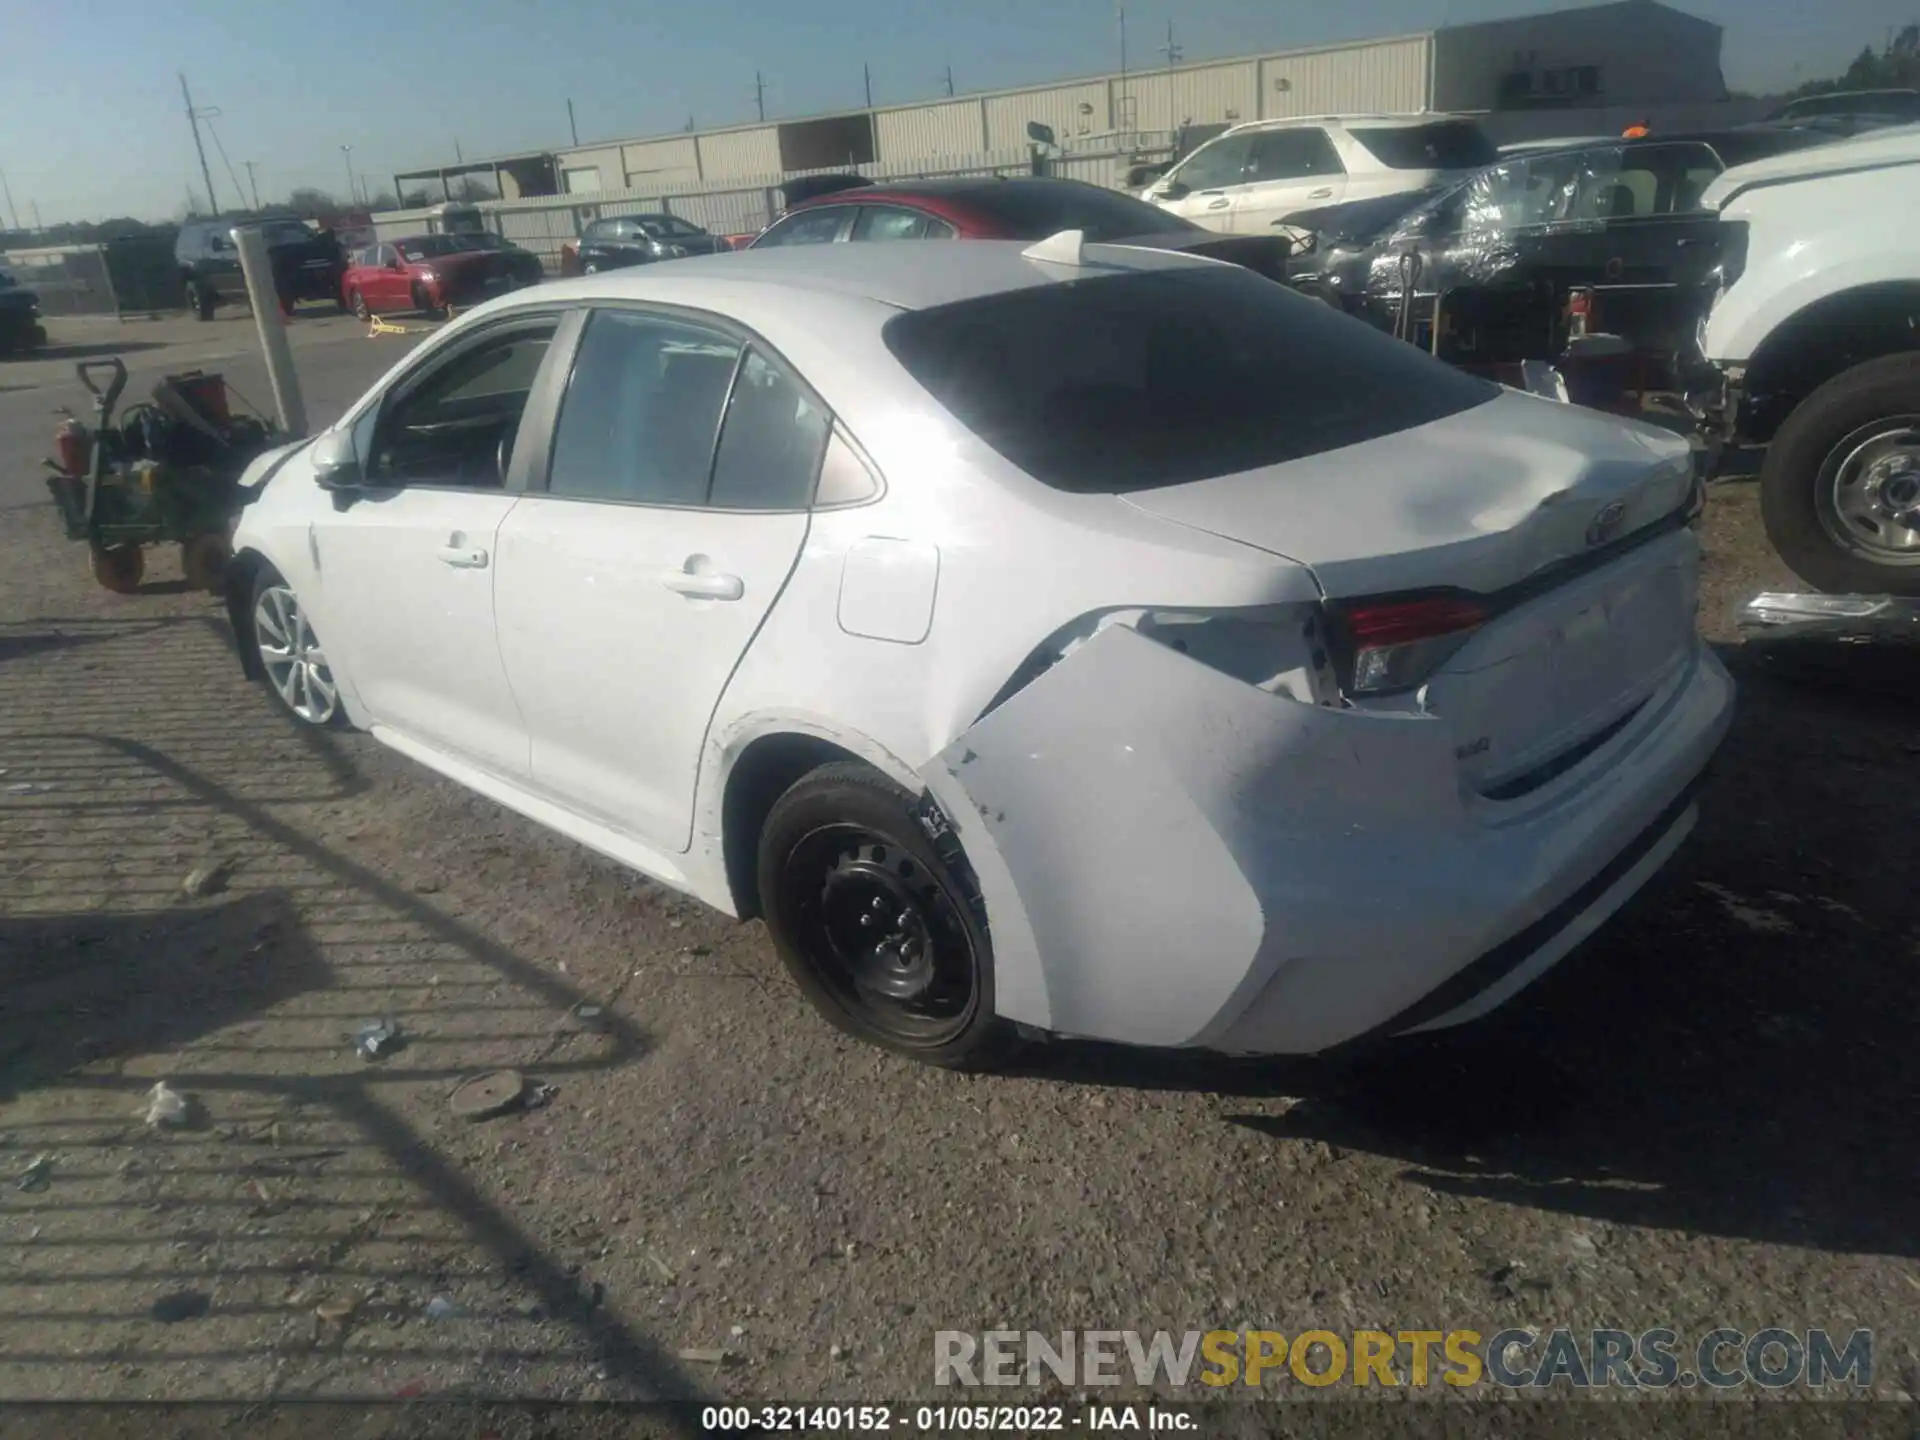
x=1705 y=1119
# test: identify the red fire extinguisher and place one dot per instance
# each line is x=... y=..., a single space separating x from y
x=73 y=448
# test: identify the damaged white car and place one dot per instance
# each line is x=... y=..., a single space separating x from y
x=1073 y=640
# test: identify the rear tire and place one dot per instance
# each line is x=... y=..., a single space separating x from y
x=881 y=926
x=357 y=303
x=119 y=568
x=1840 y=485
x=424 y=304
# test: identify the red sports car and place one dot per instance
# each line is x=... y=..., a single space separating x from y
x=1003 y=208
x=433 y=272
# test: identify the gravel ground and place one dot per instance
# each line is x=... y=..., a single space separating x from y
x=1705 y=1119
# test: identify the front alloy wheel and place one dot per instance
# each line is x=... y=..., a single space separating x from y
x=291 y=656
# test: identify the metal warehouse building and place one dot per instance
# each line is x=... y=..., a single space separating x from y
x=1632 y=53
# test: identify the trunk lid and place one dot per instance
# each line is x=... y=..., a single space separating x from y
x=1533 y=506
x=1479 y=501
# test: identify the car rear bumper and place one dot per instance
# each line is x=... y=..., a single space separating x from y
x=1170 y=857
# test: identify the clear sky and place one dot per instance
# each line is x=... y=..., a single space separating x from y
x=92 y=123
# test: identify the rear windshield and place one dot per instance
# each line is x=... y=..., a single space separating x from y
x=286 y=232
x=426 y=247
x=1135 y=381
x=1033 y=212
x=1446 y=145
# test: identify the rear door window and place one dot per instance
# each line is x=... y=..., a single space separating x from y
x=889 y=222
x=642 y=410
x=1173 y=376
x=1444 y=145
x=1296 y=154
x=807 y=227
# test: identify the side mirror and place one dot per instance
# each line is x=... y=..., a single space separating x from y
x=335 y=466
x=1172 y=190
x=396 y=265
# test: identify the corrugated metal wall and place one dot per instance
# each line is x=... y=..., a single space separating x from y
x=1387 y=76
x=662 y=162
x=1204 y=95
x=955 y=128
x=741 y=152
x=1059 y=107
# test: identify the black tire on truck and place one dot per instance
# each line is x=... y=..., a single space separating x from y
x=1840 y=487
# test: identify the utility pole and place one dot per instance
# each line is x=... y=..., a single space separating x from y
x=252 y=184
x=759 y=95
x=948 y=78
x=570 y=125
x=1172 y=51
x=866 y=74
x=193 y=119
x=456 y=151
x=346 y=159
x=34 y=205
x=12 y=209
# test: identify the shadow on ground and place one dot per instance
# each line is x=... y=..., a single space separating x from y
x=312 y=1232
x=1734 y=1055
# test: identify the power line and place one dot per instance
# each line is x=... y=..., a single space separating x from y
x=221 y=147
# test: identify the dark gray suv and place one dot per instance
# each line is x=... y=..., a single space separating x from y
x=307 y=264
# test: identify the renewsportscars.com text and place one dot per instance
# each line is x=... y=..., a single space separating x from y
x=1656 y=1359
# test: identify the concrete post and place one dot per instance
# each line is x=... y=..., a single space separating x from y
x=257 y=268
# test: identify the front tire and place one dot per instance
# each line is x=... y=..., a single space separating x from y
x=200 y=300
x=357 y=303
x=880 y=925
x=291 y=659
x=1840 y=486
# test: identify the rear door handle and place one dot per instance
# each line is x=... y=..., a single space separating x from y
x=1222 y=203
x=462 y=558
x=704 y=586
x=1325 y=194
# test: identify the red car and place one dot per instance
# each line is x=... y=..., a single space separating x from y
x=433 y=272
x=1009 y=208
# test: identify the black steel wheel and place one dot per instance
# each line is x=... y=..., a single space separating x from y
x=877 y=916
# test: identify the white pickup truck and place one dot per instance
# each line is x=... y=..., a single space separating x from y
x=1816 y=337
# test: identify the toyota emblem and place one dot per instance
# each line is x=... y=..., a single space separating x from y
x=1606 y=523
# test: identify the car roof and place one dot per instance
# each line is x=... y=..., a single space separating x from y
x=1402 y=121
x=947 y=188
x=898 y=276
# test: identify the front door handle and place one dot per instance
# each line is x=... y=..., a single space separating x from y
x=704 y=586
x=462 y=558
x=1325 y=193
x=1222 y=203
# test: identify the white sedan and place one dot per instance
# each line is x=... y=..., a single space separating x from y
x=1069 y=640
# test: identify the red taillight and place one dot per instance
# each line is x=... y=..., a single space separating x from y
x=1396 y=644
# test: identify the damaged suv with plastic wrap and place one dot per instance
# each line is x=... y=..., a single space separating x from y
x=1071 y=640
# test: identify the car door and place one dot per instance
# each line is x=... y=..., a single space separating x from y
x=407 y=561
x=1633 y=230
x=388 y=286
x=1287 y=171
x=1201 y=187
x=633 y=582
